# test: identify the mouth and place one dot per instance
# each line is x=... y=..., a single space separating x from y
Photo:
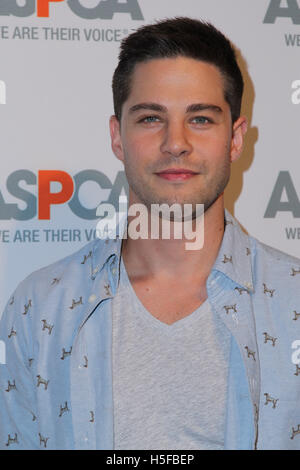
x=176 y=174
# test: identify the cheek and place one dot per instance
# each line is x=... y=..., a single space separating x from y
x=214 y=155
x=140 y=150
x=212 y=148
x=220 y=143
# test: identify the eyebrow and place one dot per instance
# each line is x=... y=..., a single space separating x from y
x=192 y=108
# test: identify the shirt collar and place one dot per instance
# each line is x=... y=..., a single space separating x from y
x=233 y=260
x=234 y=257
x=109 y=248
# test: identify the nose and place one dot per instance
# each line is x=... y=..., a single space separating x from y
x=175 y=141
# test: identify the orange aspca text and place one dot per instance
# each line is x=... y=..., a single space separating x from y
x=46 y=197
x=43 y=7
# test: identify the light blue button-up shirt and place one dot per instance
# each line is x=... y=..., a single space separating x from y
x=56 y=386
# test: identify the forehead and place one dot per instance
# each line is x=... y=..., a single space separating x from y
x=179 y=79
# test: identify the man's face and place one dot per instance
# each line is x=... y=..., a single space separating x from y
x=176 y=118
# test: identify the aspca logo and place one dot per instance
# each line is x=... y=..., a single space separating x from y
x=105 y=9
x=69 y=193
x=276 y=10
x=2 y=92
x=284 y=197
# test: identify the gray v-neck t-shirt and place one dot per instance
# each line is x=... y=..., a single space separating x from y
x=169 y=381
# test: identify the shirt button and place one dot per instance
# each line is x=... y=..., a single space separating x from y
x=92 y=298
x=114 y=270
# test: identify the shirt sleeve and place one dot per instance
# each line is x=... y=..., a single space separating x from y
x=18 y=413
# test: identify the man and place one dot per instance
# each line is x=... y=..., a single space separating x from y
x=139 y=343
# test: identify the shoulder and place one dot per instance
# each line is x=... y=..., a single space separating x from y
x=273 y=257
x=55 y=271
x=49 y=292
x=262 y=252
x=273 y=267
x=66 y=274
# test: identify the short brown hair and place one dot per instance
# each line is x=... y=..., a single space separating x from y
x=175 y=37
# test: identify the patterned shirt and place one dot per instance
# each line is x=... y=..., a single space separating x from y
x=56 y=386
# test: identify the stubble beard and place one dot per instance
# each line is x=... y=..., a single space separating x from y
x=207 y=196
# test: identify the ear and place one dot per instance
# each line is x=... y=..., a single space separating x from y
x=115 y=135
x=237 y=142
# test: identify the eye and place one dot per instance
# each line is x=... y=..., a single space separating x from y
x=149 y=119
x=202 y=120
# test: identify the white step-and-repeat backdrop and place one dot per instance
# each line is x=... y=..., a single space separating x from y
x=57 y=58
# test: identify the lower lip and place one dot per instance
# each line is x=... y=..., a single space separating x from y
x=176 y=176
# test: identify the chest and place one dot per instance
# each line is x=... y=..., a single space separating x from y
x=169 y=302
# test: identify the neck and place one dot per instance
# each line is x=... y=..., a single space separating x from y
x=169 y=258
